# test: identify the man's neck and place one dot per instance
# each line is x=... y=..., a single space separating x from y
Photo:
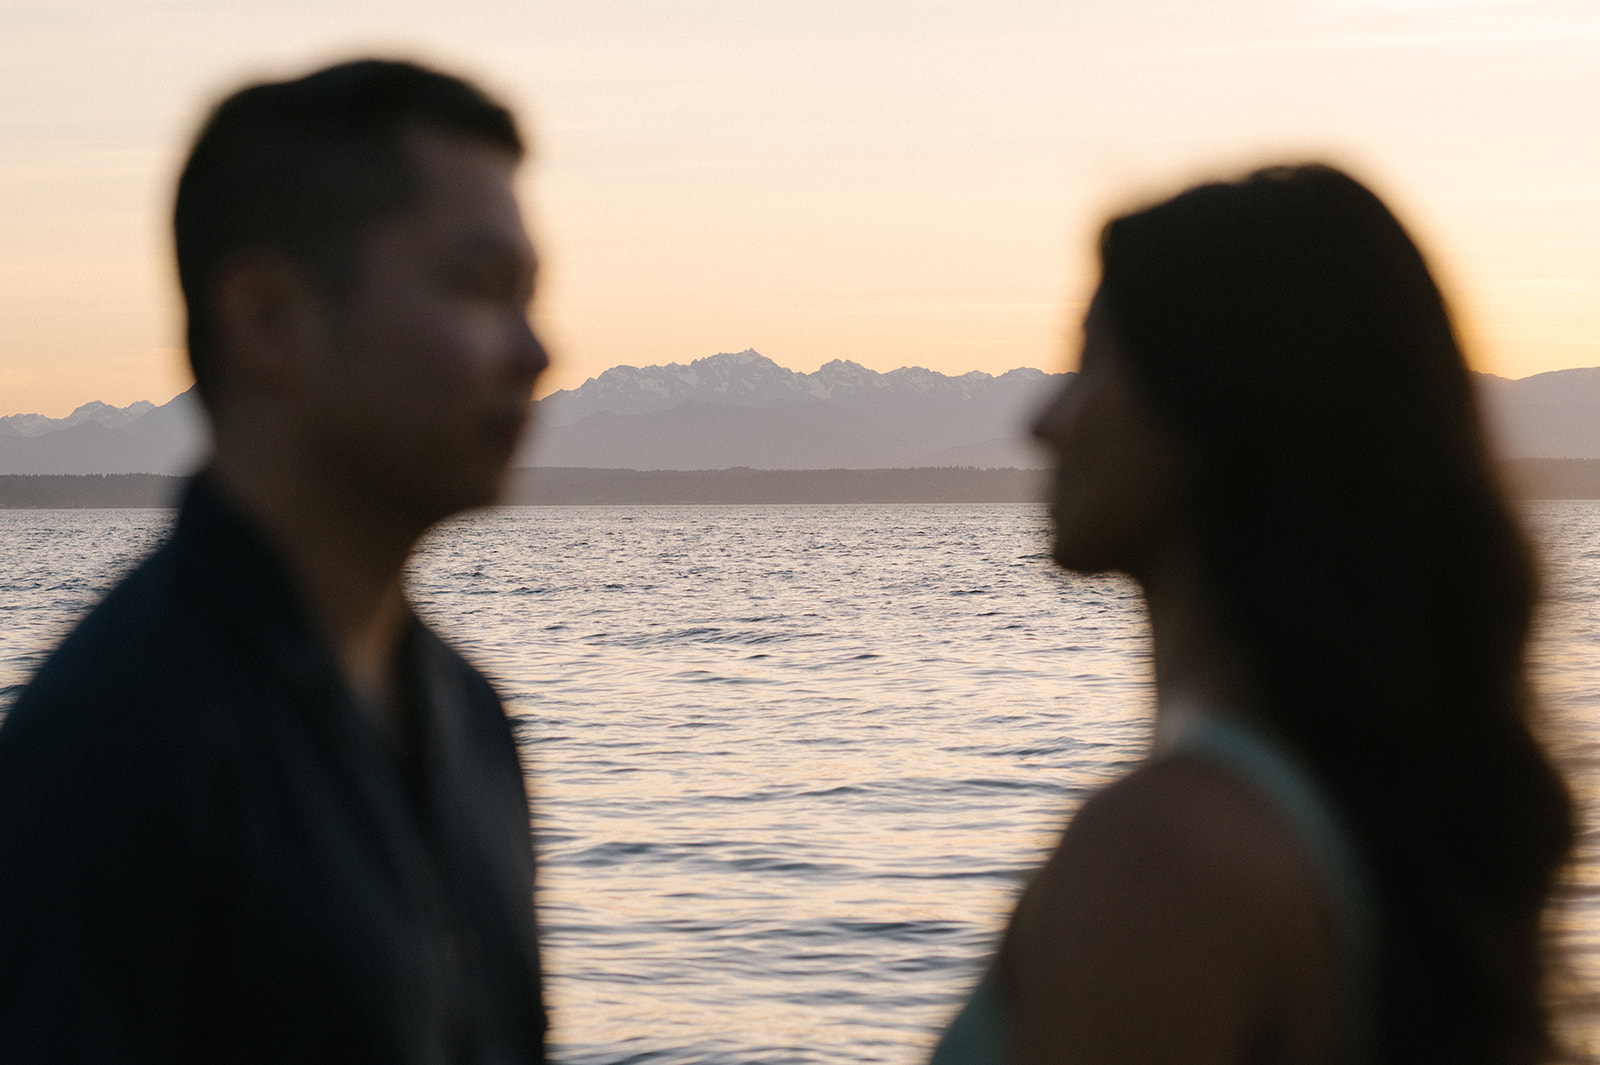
x=347 y=563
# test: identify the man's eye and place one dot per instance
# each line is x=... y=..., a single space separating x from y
x=484 y=281
x=506 y=280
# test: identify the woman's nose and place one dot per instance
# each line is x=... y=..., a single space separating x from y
x=1046 y=423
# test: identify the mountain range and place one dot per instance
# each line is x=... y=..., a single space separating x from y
x=743 y=409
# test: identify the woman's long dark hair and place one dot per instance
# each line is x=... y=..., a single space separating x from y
x=1357 y=546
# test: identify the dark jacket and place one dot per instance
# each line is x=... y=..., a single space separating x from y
x=209 y=855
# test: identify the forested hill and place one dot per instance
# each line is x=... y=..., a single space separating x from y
x=579 y=486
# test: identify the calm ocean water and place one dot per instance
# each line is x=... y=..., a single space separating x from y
x=791 y=764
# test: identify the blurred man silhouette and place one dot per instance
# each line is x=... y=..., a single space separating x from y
x=252 y=809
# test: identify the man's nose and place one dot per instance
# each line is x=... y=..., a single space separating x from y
x=530 y=354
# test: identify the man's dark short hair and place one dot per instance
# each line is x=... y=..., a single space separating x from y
x=307 y=168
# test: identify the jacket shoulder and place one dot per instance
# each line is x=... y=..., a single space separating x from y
x=127 y=698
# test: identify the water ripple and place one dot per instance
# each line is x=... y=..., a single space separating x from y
x=790 y=765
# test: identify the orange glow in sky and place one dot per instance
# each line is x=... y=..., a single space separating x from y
x=906 y=182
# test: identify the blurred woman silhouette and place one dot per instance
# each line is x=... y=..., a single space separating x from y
x=1344 y=842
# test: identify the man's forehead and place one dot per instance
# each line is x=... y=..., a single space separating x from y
x=464 y=185
x=441 y=155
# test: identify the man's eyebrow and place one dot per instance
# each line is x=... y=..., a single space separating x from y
x=500 y=248
x=494 y=239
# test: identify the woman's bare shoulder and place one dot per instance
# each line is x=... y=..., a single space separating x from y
x=1178 y=920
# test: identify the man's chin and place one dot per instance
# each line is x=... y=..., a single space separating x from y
x=484 y=490
x=496 y=489
x=446 y=495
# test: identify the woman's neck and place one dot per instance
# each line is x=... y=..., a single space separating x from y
x=1197 y=666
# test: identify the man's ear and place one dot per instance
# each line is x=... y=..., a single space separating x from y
x=272 y=324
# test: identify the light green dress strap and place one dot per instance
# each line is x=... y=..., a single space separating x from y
x=984 y=1032
x=1279 y=777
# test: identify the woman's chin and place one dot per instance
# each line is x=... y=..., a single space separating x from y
x=1071 y=555
x=1075 y=548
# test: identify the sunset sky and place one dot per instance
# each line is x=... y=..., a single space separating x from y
x=900 y=182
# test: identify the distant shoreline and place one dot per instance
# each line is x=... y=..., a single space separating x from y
x=1529 y=479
